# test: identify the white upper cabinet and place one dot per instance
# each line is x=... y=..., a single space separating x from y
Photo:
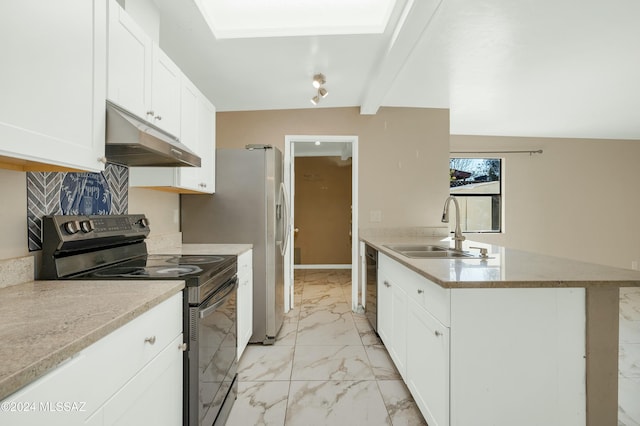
x=165 y=92
x=145 y=81
x=141 y=77
x=207 y=144
x=53 y=84
x=130 y=62
x=198 y=128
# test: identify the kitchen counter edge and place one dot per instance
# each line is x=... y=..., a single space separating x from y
x=560 y=272
x=41 y=309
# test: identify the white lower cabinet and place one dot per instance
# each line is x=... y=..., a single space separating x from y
x=385 y=308
x=428 y=364
x=398 y=349
x=151 y=396
x=245 y=300
x=131 y=376
x=485 y=356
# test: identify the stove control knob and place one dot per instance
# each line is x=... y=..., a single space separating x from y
x=87 y=226
x=71 y=227
x=144 y=222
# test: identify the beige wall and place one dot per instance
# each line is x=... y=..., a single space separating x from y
x=160 y=207
x=403 y=154
x=13 y=226
x=323 y=210
x=578 y=199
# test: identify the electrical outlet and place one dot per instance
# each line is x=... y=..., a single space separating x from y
x=634 y=265
x=375 y=216
x=176 y=216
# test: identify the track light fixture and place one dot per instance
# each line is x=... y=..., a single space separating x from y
x=318 y=81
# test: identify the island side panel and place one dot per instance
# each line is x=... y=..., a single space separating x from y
x=518 y=357
x=602 y=311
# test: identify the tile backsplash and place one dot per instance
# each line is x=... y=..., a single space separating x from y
x=74 y=193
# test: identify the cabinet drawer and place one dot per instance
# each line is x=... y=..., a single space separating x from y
x=429 y=295
x=245 y=262
x=143 y=338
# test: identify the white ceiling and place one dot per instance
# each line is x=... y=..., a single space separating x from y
x=561 y=68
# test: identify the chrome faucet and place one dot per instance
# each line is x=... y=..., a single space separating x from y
x=458 y=238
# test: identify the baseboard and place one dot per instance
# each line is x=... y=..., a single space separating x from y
x=347 y=266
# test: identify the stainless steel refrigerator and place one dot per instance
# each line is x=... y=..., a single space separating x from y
x=248 y=207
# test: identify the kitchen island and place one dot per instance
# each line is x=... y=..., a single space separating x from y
x=516 y=338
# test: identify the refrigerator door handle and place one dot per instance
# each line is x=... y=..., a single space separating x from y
x=286 y=220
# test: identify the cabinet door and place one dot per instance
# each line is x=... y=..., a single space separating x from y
x=189 y=177
x=165 y=92
x=398 y=349
x=385 y=313
x=207 y=144
x=428 y=364
x=245 y=300
x=154 y=395
x=129 y=63
x=53 y=84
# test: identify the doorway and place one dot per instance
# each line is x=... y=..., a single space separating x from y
x=339 y=150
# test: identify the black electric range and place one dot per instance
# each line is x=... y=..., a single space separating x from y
x=112 y=247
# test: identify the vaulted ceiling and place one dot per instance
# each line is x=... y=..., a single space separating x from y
x=562 y=68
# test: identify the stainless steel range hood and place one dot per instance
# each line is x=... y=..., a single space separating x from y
x=134 y=142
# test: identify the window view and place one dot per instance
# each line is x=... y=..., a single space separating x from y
x=477 y=185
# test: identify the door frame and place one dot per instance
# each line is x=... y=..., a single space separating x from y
x=289 y=179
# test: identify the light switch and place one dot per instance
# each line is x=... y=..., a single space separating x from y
x=375 y=216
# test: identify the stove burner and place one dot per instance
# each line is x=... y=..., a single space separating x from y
x=125 y=271
x=184 y=259
x=195 y=260
x=150 y=271
x=175 y=271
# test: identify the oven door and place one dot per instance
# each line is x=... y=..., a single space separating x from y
x=212 y=363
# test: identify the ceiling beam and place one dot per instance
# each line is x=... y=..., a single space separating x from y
x=412 y=24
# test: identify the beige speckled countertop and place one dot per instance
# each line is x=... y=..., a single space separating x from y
x=230 y=249
x=42 y=323
x=506 y=268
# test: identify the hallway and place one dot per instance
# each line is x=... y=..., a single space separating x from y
x=327 y=366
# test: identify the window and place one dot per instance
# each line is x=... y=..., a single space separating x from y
x=477 y=185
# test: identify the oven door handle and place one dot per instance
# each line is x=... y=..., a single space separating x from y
x=220 y=299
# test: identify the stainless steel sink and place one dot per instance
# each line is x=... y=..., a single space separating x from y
x=422 y=251
x=417 y=247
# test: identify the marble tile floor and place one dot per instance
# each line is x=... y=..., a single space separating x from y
x=327 y=366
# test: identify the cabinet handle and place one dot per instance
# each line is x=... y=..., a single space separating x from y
x=150 y=113
x=158 y=117
x=102 y=160
x=420 y=291
x=151 y=340
x=438 y=334
x=182 y=347
x=386 y=283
